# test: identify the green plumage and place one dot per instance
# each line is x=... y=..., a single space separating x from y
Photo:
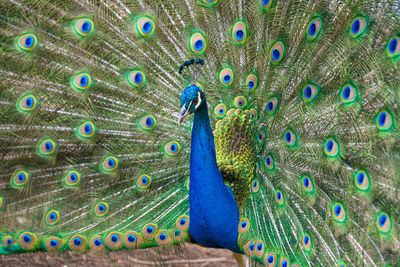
x=236 y=157
x=306 y=125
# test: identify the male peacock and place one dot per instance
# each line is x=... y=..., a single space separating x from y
x=294 y=150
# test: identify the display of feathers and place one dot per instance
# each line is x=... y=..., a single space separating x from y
x=303 y=101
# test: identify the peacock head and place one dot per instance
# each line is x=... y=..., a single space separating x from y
x=191 y=100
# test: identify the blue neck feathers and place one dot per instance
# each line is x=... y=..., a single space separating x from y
x=214 y=214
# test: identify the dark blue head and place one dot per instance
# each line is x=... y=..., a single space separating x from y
x=191 y=100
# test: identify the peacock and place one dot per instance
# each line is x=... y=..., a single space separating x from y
x=266 y=127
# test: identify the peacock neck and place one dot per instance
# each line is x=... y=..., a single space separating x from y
x=203 y=148
x=203 y=163
x=214 y=214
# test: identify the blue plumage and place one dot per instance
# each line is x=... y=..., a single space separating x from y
x=214 y=214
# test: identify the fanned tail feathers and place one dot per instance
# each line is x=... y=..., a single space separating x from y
x=92 y=157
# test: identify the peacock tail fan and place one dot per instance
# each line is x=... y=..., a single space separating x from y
x=91 y=155
x=303 y=99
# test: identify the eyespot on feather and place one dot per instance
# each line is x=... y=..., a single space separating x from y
x=290 y=138
x=85 y=130
x=109 y=164
x=339 y=212
x=149 y=230
x=83 y=27
x=198 y=43
x=26 y=103
x=180 y=236
x=77 y=243
x=277 y=52
x=231 y=111
x=163 y=238
x=218 y=124
x=182 y=223
x=20 y=178
x=284 y=262
x=226 y=76
x=307 y=183
x=114 y=241
x=27 y=241
x=269 y=162
x=362 y=181
x=348 y=94
x=331 y=148
x=314 y=28
x=97 y=244
x=255 y=186
x=358 y=27
x=272 y=105
x=384 y=121
x=145 y=26
x=261 y=137
x=279 y=197
x=26 y=42
x=383 y=222
x=249 y=248
x=251 y=82
x=220 y=110
x=259 y=250
x=306 y=242
x=52 y=217
x=239 y=32
x=71 y=178
x=143 y=181
x=53 y=244
x=240 y=102
x=172 y=148
x=148 y=123
x=9 y=241
x=81 y=81
x=100 y=209
x=132 y=240
x=265 y=4
x=136 y=78
x=310 y=92
x=269 y=259
x=187 y=183
x=238 y=112
x=393 y=47
x=46 y=147
x=244 y=225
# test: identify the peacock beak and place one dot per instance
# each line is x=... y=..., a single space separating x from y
x=184 y=112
